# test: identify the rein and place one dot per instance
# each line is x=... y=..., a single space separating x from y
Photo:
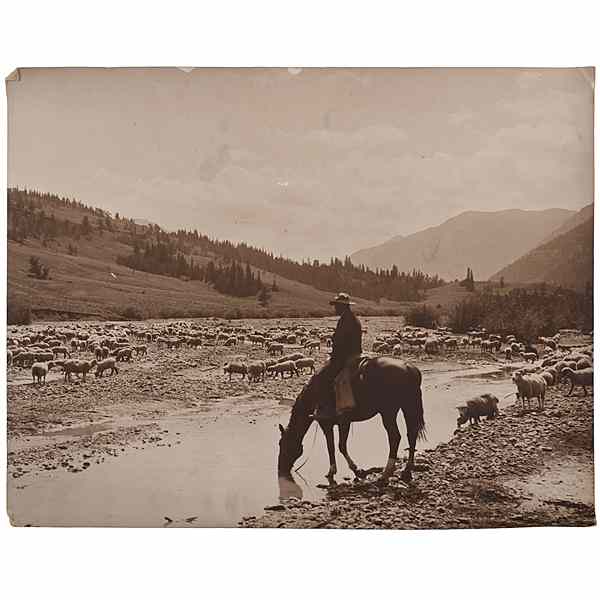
x=311 y=449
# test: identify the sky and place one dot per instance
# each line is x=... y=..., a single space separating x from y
x=309 y=163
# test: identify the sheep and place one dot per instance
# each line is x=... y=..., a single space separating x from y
x=313 y=345
x=78 y=366
x=397 y=350
x=142 y=349
x=283 y=367
x=256 y=371
x=530 y=386
x=24 y=359
x=508 y=353
x=61 y=350
x=275 y=348
x=583 y=377
x=231 y=368
x=548 y=378
x=381 y=347
x=562 y=365
x=43 y=356
x=293 y=357
x=109 y=363
x=124 y=354
x=584 y=363
x=39 y=370
x=305 y=363
x=431 y=346
x=485 y=405
x=452 y=344
x=194 y=342
x=528 y=356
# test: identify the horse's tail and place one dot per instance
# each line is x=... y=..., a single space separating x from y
x=419 y=416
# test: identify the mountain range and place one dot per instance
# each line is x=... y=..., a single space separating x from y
x=566 y=258
x=484 y=241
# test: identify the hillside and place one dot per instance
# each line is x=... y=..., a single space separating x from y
x=484 y=241
x=80 y=246
x=82 y=287
x=567 y=260
x=578 y=218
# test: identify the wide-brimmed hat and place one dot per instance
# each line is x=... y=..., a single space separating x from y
x=342 y=298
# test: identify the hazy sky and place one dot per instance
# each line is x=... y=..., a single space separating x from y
x=307 y=162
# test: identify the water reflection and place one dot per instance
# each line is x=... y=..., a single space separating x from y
x=288 y=488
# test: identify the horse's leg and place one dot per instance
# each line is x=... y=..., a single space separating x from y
x=343 y=446
x=328 y=431
x=391 y=426
x=411 y=432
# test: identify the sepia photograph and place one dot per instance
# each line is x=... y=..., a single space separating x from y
x=300 y=298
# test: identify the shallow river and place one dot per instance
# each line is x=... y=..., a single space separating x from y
x=225 y=469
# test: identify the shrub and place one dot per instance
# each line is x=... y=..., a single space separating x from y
x=422 y=315
x=132 y=313
x=466 y=315
x=38 y=269
x=17 y=313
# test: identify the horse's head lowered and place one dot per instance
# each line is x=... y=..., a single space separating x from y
x=290 y=450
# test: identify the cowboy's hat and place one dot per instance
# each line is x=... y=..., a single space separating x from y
x=342 y=298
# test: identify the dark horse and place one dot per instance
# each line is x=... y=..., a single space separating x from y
x=384 y=386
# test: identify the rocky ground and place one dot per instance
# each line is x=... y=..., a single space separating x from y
x=104 y=416
x=523 y=469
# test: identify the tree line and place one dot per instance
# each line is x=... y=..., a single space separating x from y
x=165 y=258
x=525 y=312
x=179 y=253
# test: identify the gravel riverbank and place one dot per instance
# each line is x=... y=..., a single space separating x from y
x=525 y=468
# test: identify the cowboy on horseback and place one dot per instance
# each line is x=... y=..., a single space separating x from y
x=346 y=346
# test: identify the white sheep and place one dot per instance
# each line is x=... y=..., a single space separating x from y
x=79 y=367
x=233 y=367
x=313 y=345
x=283 y=367
x=275 y=348
x=108 y=363
x=256 y=371
x=528 y=356
x=39 y=370
x=530 y=386
x=305 y=363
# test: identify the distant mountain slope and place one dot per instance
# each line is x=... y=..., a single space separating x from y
x=567 y=260
x=578 y=218
x=484 y=241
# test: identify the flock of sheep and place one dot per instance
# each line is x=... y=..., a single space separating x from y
x=555 y=364
x=80 y=348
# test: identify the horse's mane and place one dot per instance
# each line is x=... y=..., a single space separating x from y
x=304 y=404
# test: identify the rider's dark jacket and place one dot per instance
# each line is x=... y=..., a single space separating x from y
x=347 y=339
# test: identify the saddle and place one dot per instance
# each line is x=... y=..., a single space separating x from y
x=346 y=379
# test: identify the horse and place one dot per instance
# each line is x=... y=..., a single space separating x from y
x=383 y=386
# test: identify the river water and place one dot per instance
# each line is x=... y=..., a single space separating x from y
x=225 y=469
